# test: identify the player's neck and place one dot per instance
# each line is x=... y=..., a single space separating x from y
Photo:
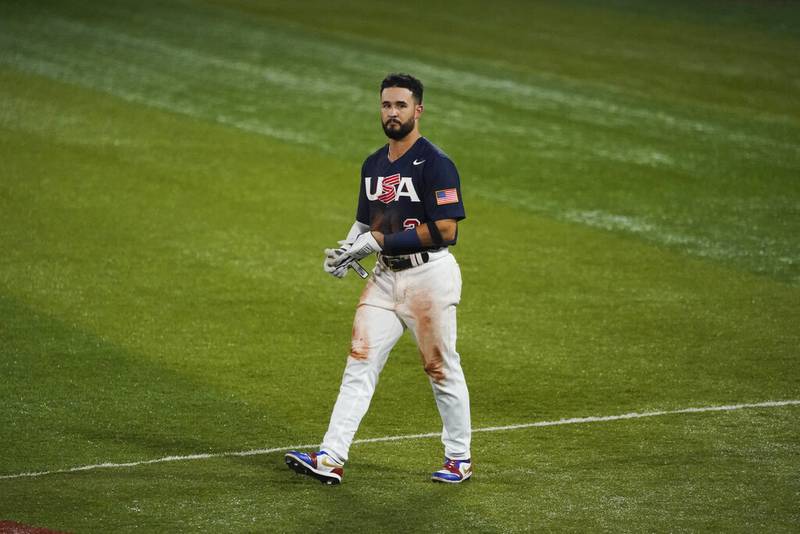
x=398 y=147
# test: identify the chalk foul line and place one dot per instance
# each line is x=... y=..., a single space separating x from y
x=255 y=452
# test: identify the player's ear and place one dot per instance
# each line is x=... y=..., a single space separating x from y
x=418 y=109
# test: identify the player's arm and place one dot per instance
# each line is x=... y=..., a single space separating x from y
x=443 y=205
x=443 y=209
x=356 y=230
x=433 y=234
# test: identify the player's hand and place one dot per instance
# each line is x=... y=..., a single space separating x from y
x=363 y=246
x=336 y=263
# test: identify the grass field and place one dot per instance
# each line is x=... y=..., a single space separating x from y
x=171 y=171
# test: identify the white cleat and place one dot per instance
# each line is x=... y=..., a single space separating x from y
x=316 y=464
x=453 y=471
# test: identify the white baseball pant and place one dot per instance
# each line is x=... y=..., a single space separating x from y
x=422 y=299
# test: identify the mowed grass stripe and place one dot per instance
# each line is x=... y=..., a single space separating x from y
x=192 y=59
x=505 y=428
x=249 y=78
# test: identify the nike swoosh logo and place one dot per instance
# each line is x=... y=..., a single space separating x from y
x=420 y=162
x=328 y=463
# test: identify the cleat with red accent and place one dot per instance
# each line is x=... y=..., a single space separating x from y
x=453 y=471
x=319 y=465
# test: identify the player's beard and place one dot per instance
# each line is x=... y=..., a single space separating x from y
x=398 y=132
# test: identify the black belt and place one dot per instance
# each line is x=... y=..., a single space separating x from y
x=395 y=263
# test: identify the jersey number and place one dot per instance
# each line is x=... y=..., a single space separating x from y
x=408 y=224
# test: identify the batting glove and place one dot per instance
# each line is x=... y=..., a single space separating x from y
x=363 y=246
x=336 y=263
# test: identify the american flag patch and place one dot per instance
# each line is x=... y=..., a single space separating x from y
x=446 y=196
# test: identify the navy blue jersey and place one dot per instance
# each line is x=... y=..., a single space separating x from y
x=421 y=186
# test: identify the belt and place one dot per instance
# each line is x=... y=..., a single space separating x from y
x=401 y=263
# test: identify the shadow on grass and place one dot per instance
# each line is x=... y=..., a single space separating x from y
x=73 y=398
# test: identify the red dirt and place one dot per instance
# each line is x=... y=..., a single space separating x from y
x=12 y=527
x=365 y=292
x=430 y=349
x=359 y=344
x=432 y=361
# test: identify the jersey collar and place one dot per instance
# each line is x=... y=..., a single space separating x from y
x=412 y=151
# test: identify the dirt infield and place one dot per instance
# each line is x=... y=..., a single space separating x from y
x=12 y=527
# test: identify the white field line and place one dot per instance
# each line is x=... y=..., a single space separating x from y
x=571 y=421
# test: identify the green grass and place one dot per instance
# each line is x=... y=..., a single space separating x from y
x=171 y=172
x=672 y=474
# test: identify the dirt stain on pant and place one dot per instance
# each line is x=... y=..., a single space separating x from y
x=428 y=338
x=359 y=341
x=359 y=345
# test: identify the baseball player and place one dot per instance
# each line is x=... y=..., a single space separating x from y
x=408 y=211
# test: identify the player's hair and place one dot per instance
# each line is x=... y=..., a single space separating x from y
x=405 y=81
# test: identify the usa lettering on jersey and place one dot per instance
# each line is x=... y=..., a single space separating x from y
x=391 y=188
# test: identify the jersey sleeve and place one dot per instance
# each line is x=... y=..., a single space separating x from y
x=443 y=191
x=362 y=212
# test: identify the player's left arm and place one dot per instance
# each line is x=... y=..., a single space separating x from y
x=427 y=236
x=439 y=233
x=444 y=209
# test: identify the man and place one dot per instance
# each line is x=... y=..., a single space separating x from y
x=408 y=212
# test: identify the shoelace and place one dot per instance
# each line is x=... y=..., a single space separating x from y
x=450 y=465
